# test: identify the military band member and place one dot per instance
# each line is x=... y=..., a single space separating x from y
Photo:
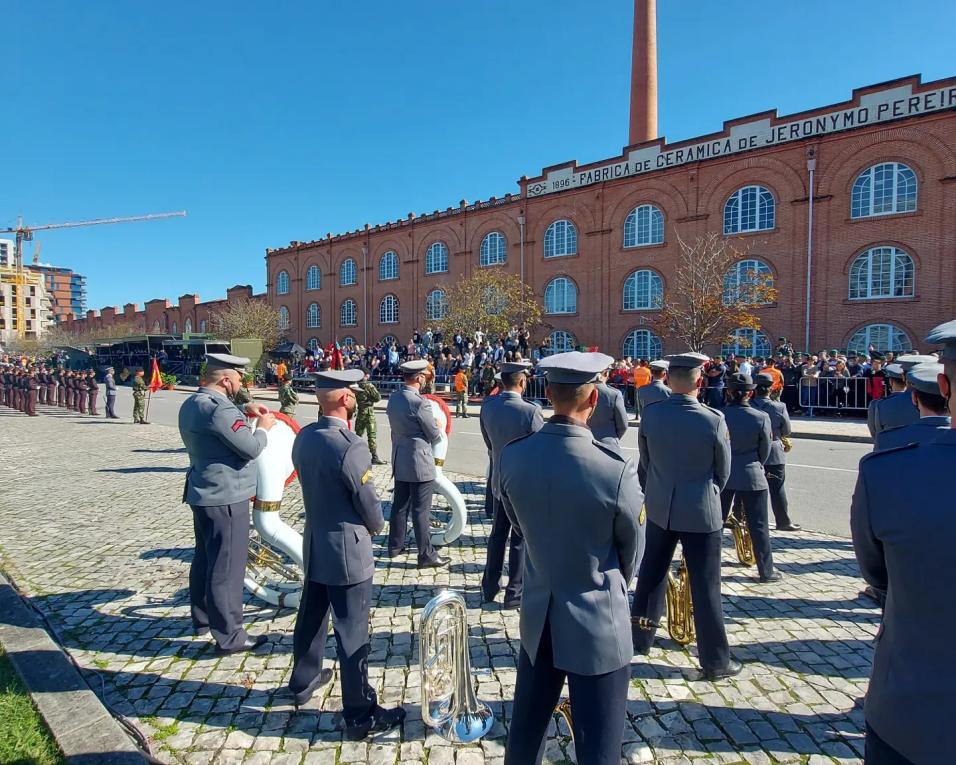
x=61 y=388
x=7 y=381
x=750 y=445
x=367 y=396
x=81 y=389
x=775 y=467
x=51 y=380
x=903 y=528
x=109 y=381
x=288 y=398
x=685 y=448
x=895 y=410
x=609 y=421
x=657 y=389
x=221 y=478
x=92 y=391
x=923 y=380
x=41 y=382
x=342 y=511
x=583 y=539
x=32 y=390
x=139 y=398
x=504 y=418
x=414 y=429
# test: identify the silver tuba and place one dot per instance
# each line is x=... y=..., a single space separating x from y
x=449 y=703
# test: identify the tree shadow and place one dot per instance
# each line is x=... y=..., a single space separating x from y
x=151 y=469
x=180 y=450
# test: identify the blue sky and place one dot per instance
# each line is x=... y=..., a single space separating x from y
x=285 y=120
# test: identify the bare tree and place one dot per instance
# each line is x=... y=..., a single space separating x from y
x=707 y=301
x=247 y=318
x=490 y=300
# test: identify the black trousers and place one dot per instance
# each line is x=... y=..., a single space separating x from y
x=501 y=530
x=598 y=709
x=217 y=570
x=777 y=477
x=415 y=499
x=755 y=511
x=489 y=495
x=111 y=405
x=350 y=605
x=878 y=752
x=702 y=551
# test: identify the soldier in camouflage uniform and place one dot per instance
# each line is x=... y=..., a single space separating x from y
x=366 y=397
x=288 y=398
x=139 y=399
x=242 y=397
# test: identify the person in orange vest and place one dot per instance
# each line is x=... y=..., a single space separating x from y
x=642 y=374
x=460 y=383
x=280 y=371
x=774 y=372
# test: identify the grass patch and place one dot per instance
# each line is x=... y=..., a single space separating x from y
x=24 y=738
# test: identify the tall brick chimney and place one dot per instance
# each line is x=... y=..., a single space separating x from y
x=644 y=73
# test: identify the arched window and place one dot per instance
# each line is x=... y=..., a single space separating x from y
x=749 y=209
x=388 y=310
x=882 y=272
x=560 y=239
x=313 y=344
x=156 y=328
x=348 y=341
x=560 y=341
x=175 y=328
x=187 y=325
x=561 y=296
x=313 y=278
x=644 y=225
x=347 y=273
x=389 y=340
x=313 y=316
x=643 y=291
x=436 y=259
x=436 y=305
x=883 y=189
x=283 y=317
x=642 y=344
x=348 y=315
x=746 y=342
x=493 y=249
x=879 y=337
x=388 y=266
x=202 y=326
x=282 y=283
x=746 y=282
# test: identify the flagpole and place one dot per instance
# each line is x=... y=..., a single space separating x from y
x=149 y=397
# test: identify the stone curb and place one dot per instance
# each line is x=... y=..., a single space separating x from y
x=85 y=732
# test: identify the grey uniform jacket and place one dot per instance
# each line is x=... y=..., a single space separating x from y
x=652 y=393
x=414 y=430
x=221 y=447
x=685 y=449
x=342 y=508
x=583 y=542
x=923 y=430
x=779 y=427
x=504 y=418
x=894 y=411
x=110 y=385
x=903 y=529
x=750 y=439
x=609 y=421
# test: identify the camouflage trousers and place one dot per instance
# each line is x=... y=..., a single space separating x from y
x=365 y=424
x=461 y=402
x=139 y=409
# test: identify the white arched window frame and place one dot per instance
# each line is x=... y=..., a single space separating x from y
x=883 y=189
x=747 y=342
x=436 y=258
x=202 y=326
x=187 y=325
x=560 y=239
x=388 y=340
x=741 y=281
x=561 y=296
x=388 y=310
x=282 y=283
x=436 y=305
x=643 y=291
x=313 y=316
x=348 y=315
x=388 y=266
x=313 y=344
x=494 y=249
x=882 y=272
x=348 y=341
x=347 y=273
x=313 y=278
x=879 y=337
x=642 y=344
x=283 y=317
x=751 y=208
x=175 y=328
x=644 y=225
x=560 y=341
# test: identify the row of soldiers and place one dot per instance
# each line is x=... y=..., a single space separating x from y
x=23 y=389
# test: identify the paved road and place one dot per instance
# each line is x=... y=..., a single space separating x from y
x=820 y=476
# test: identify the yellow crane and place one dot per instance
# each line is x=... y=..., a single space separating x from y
x=25 y=234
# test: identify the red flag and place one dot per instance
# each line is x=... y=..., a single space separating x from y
x=155 y=381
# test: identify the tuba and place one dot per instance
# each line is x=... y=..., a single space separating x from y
x=443 y=486
x=743 y=544
x=680 y=606
x=449 y=703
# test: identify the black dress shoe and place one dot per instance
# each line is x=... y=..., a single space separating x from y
x=396 y=553
x=487 y=597
x=381 y=720
x=249 y=644
x=511 y=605
x=774 y=576
x=790 y=527
x=733 y=668
x=200 y=631
x=377 y=461
x=302 y=697
x=438 y=562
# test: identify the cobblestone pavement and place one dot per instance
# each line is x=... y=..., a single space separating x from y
x=92 y=527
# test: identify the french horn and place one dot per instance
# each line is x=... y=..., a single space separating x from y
x=443 y=485
x=743 y=543
x=680 y=605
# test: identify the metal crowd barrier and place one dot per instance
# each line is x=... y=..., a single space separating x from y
x=833 y=394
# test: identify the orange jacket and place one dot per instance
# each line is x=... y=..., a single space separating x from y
x=777 y=376
x=642 y=377
x=461 y=382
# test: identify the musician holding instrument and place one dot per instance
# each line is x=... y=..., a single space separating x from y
x=685 y=449
x=220 y=481
x=342 y=511
x=775 y=468
x=750 y=444
x=583 y=540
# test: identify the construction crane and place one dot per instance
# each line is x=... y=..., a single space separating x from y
x=25 y=234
